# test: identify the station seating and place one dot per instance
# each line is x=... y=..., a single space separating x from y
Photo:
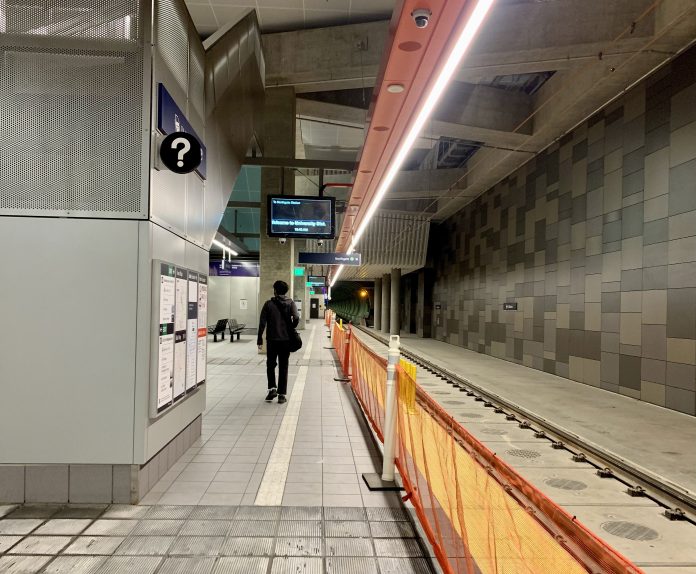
x=218 y=329
x=235 y=329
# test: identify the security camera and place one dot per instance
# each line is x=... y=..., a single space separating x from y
x=421 y=17
x=282 y=240
x=320 y=242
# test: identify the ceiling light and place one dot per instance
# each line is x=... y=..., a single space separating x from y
x=451 y=65
x=223 y=247
x=395 y=88
x=336 y=275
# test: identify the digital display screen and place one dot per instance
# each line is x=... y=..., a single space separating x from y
x=301 y=217
x=316 y=280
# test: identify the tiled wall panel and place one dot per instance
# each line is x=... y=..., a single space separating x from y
x=595 y=240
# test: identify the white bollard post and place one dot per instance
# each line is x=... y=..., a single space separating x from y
x=390 y=426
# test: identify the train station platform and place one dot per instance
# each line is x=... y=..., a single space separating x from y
x=636 y=526
x=268 y=488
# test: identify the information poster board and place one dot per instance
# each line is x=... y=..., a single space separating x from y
x=180 y=333
x=202 y=328
x=165 y=353
x=179 y=344
x=192 y=332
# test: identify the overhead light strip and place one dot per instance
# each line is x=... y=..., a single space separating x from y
x=336 y=275
x=451 y=65
x=224 y=248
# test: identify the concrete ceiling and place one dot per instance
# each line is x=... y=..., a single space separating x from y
x=281 y=15
x=537 y=69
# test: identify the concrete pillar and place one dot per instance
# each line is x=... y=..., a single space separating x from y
x=278 y=140
x=424 y=305
x=386 y=297
x=395 y=315
x=378 y=304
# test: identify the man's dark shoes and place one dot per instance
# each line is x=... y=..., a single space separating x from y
x=281 y=399
x=272 y=394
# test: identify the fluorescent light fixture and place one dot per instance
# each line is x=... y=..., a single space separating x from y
x=224 y=247
x=336 y=275
x=453 y=60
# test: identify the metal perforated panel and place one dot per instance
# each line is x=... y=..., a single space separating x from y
x=171 y=39
x=70 y=131
x=197 y=80
x=113 y=20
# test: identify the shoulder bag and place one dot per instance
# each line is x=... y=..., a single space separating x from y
x=295 y=341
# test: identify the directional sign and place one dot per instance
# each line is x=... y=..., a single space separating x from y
x=181 y=152
x=354 y=259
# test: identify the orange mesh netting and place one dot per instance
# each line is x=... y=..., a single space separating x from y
x=480 y=516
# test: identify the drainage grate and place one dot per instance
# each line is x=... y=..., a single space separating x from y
x=566 y=484
x=630 y=530
x=494 y=431
x=522 y=453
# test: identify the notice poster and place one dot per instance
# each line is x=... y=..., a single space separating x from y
x=165 y=340
x=202 y=328
x=181 y=297
x=192 y=331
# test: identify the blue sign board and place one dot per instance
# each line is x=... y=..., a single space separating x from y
x=233 y=270
x=353 y=260
x=171 y=119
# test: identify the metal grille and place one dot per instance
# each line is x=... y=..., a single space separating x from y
x=523 y=453
x=70 y=131
x=566 y=484
x=630 y=530
x=95 y=19
x=171 y=39
x=197 y=81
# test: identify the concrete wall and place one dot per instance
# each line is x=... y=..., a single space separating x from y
x=595 y=240
x=224 y=294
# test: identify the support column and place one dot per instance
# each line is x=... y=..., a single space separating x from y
x=378 y=305
x=386 y=281
x=395 y=315
x=424 y=306
x=275 y=259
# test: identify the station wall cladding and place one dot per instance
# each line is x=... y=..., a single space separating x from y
x=595 y=240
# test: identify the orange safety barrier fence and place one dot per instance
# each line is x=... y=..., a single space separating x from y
x=341 y=342
x=327 y=318
x=480 y=516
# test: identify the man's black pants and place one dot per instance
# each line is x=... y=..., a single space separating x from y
x=277 y=350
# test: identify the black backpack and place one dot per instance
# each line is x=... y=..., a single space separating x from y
x=295 y=341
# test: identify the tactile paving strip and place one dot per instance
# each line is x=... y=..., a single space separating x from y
x=75 y=565
x=187 y=566
x=343 y=565
x=241 y=565
x=248 y=547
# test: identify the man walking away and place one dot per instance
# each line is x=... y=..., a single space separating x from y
x=274 y=318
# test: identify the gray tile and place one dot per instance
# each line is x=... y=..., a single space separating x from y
x=129 y=565
x=94 y=545
x=7 y=542
x=169 y=512
x=197 y=565
x=75 y=565
x=301 y=513
x=248 y=547
x=297 y=546
x=18 y=525
x=145 y=546
x=680 y=400
x=253 y=528
x=206 y=527
x=392 y=530
x=125 y=511
x=386 y=514
x=404 y=566
x=197 y=546
x=300 y=528
x=682 y=188
x=111 y=527
x=681 y=313
x=258 y=513
x=22 y=564
x=41 y=545
x=11 y=483
x=213 y=513
x=46 y=483
x=297 y=565
x=344 y=565
x=90 y=483
x=349 y=547
x=347 y=529
x=397 y=547
x=681 y=376
x=64 y=526
x=157 y=528
x=242 y=565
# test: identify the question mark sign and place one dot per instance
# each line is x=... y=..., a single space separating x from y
x=182 y=151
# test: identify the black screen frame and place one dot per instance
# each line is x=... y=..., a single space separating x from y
x=331 y=234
